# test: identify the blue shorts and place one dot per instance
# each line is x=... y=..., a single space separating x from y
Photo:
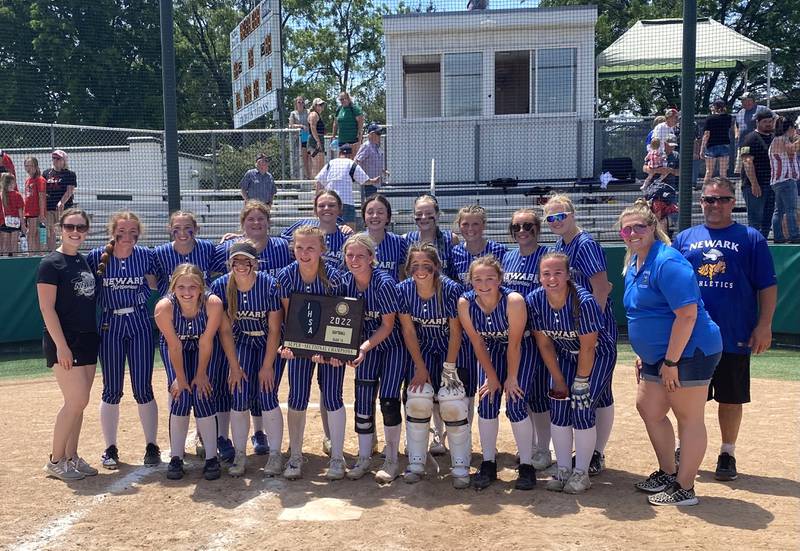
x=694 y=370
x=718 y=151
x=348 y=213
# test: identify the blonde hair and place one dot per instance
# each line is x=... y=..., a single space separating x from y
x=6 y=181
x=313 y=231
x=537 y=222
x=433 y=255
x=470 y=210
x=487 y=260
x=655 y=143
x=363 y=240
x=178 y=213
x=641 y=209
x=111 y=227
x=658 y=120
x=573 y=291
x=192 y=271
x=249 y=206
x=232 y=288
x=560 y=199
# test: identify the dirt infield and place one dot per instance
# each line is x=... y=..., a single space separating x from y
x=136 y=507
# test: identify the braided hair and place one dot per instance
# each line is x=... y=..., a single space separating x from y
x=111 y=227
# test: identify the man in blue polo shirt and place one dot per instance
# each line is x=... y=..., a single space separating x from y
x=737 y=281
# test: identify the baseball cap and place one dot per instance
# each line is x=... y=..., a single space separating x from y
x=670 y=112
x=317 y=101
x=747 y=95
x=718 y=104
x=374 y=127
x=671 y=140
x=262 y=156
x=765 y=114
x=346 y=148
x=243 y=248
x=59 y=154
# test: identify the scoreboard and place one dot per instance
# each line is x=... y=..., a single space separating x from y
x=256 y=68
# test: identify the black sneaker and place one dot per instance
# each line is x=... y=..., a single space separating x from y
x=527 y=477
x=225 y=449
x=658 y=481
x=212 y=470
x=597 y=463
x=110 y=458
x=152 y=455
x=175 y=469
x=260 y=444
x=726 y=467
x=677 y=457
x=485 y=475
x=674 y=495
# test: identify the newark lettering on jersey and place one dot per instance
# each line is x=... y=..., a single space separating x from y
x=571 y=335
x=123 y=282
x=251 y=314
x=430 y=321
x=715 y=243
x=519 y=277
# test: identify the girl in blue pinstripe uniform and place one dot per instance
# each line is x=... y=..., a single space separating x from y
x=188 y=318
x=184 y=248
x=426 y=216
x=124 y=271
x=520 y=274
x=495 y=321
x=254 y=320
x=310 y=274
x=391 y=249
x=580 y=354
x=382 y=357
x=327 y=208
x=587 y=265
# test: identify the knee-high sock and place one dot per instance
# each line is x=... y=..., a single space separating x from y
x=148 y=415
x=207 y=426
x=178 y=428
x=337 y=420
x=604 y=421
x=223 y=424
x=470 y=416
x=584 y=448
x=296 y=420
x=523 y=434
x=365 y=444
x=562 y=442
x=541 y=422
x=392 y=435
x=109 y=421
x=323 y=413
x=273 y=427
x=240 y=429
x=487 y=429
x=258 y=424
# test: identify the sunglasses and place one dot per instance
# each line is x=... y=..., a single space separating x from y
x=557 y=217
x=713 y=200
x=638 y=229
x=526 y=226
x=81 y=228
x=427 y=268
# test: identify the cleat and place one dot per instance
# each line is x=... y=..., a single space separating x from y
x=83 y=467
x=294 y=468
x=541 y=459
x=658 y=481
x=461 y=482
x=336 y=469
x=388 y=472
x=175 y=469
x=437 y=447
x=527 y=477
x=577 y=483
x=677 y=458
x=326 y=446
x=414 y=473
x=63 y=470
x=487 y=473
x=260 y=444
x=199 y=447
x=152 y=456
x=363 y=466
x=274 y=466
x=239 y=463
x=226 y=451
x=597 y=463
x=726 y=468
x=560 y=478
x=110 y=458
x=212 y=470
x=674 y=495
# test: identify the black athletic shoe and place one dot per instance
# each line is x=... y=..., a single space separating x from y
x=677 y=458
x=485 y=475
x=152 y=455
x=527 y=477
x=110 y=458
x=212 y=470
x=175 y=469
x=726 y=467
x=597 y=463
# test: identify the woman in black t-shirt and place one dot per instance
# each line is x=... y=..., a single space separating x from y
x=716 y=144
x=61 y=184
x=66 y=289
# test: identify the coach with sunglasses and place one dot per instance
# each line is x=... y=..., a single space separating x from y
x=737 y=280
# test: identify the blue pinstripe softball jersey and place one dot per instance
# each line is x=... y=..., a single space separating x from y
x=462 y=258
x=443 y=246
x=521 y=273
x=123 y=285
x=391 y=254
x=380 y=297
x=271 y=260
x=431 y=317
x=167 y=259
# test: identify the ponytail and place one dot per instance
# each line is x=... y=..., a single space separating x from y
x=232 y=296
x=105 y=258
x=576 y=304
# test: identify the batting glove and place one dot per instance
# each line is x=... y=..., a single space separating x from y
x=450 y=378
x=579 y=393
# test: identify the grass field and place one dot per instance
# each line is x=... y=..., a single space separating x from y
x=776 y=364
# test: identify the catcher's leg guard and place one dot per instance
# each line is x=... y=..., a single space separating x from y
x=454 y=410
x=419 y=405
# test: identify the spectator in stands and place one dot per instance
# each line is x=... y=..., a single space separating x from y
x=668 y=127
x=257 y=183
x=662 y=196
x=348 y=125
x=785 y=172
x=658 y=120
x=316 y=139
x=61 y=183
x=653 y=163
x=6 y=164
x=745 y=122
x=35 y=203
x=716 y=144
x=757 y=193
x=13 y=207
x=299 y=119
x=339 y=175
x=370 y=158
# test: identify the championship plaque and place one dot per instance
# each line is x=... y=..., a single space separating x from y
x=330 y=326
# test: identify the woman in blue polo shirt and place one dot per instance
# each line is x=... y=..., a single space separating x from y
x=678 y=347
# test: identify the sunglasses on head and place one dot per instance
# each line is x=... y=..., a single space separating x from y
x=713 y=199
x=638 y=229
x=81 y=228
x=527 y=226
x=556 y=217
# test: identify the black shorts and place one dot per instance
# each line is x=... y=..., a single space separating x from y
x=6 y=229
x=82 y=345
x=731 y=381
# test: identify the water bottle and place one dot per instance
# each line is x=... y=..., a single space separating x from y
x=42 y=234
x=23 y=244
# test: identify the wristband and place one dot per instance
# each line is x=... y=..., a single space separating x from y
x=670 y=363
x=449 y=365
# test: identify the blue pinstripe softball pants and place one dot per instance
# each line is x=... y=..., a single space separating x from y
x=516 y=410
x=250 y=352
x=561 y=412
x=330 y=379
x=203 y=407
x=126 y=337
x=382 y=368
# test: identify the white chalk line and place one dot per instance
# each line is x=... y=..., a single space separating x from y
x=248 y=516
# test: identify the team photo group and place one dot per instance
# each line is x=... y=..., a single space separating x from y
x=452 y=323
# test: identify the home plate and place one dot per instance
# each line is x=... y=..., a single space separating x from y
x=321 y=510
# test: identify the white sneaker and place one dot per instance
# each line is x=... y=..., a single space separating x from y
x=388 y=472
x=578 y=483
x=294 y=468
x=336 y=469
x=239 y=464
x=363 y=466
x=63 y=470
x=556 y=484
x=326 y=446
x=274 y=465
x=541 y=459
x=82 y=466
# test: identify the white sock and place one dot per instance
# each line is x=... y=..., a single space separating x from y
x=562 y=442
x=273 y=426
x=584 y=448
x=323 y=414
x=109 y=421
x=223 y=423
x=541 y=422
x=148 y=415
x=392 y=435
x=730 y=449
x=258 y=423
x=487 y=429
x=470 y=415
x=523 y=434
x=240 y=429
x=604 y=421
x=337 y=420
x=178 y=429
x=207 y=426
x=296 y=420
x=438 y=423
x=365 y=444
